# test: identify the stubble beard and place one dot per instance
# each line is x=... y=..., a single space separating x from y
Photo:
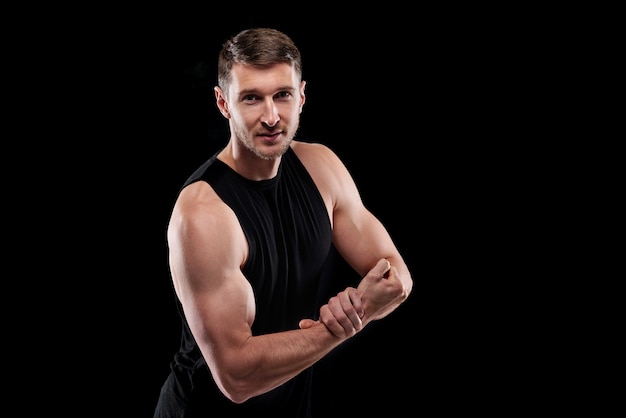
x=247 y=140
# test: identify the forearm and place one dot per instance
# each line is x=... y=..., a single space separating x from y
x=265 y=362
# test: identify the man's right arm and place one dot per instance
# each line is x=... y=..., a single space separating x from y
x=206 y=251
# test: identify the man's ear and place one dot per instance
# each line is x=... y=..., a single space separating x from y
x=302 y=95
x=222 y=104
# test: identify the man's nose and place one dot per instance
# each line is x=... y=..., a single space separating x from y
x=270 y=113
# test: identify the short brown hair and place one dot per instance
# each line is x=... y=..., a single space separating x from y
x=257 y=47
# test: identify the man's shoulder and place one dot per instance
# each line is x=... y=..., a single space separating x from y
x=198 y=205
x=310 y=150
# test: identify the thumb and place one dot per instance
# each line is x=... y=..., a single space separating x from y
x=382 y=267
x=306 y=323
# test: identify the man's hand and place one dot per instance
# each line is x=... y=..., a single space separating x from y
x=381 y=291
x=341 y=315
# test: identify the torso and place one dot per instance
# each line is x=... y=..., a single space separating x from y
x=288 y=231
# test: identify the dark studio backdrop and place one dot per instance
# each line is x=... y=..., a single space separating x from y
x=393 y=103
x=343 y=110
x=351 y=106
x=438 y=111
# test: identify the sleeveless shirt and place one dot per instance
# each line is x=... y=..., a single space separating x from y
x=288 y=233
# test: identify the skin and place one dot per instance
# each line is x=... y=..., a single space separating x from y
x=207 y=247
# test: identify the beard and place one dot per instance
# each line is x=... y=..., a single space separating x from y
x=246 y=138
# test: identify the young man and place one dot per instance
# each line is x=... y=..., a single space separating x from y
x=249 y=238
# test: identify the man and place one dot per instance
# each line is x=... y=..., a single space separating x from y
x=249 y=239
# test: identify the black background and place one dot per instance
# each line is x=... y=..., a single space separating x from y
x=356 y=103
x=414 y=102
x=352 y=105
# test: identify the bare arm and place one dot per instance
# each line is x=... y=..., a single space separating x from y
x=359 y=237
x=219 y=304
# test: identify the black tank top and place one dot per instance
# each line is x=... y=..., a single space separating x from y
x=288 y=233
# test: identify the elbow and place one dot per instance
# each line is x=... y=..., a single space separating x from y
x=236 y=397
x=237 y=378
x=236 y=390
x=236 y=384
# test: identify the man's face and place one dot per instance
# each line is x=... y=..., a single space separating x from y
x=264 y=106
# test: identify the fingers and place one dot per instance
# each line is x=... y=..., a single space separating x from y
x=356 y=302
x=342 y=314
